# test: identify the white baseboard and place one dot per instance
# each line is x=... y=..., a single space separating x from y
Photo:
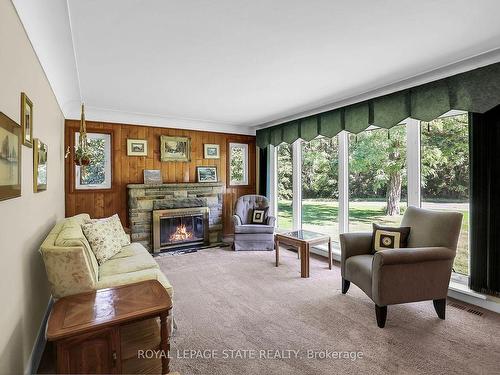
x=39 y=345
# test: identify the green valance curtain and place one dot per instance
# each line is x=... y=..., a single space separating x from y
x=474 y=91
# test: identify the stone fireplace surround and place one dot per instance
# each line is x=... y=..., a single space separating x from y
x=144 y=199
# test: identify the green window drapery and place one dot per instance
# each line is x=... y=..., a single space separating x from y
x=475 y=91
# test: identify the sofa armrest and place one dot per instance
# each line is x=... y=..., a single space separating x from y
x=68 y=270
x=412 y=255
x=237 y=220
x=271 y=221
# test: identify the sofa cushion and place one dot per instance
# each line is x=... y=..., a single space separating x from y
x=253 y=228
x=358 y=269
x=140 y=259
x=134 y=248
x=135 y=277
x=102 y=239
x=70 y=233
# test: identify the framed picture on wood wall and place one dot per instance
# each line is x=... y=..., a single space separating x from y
x=10 y=158
x=206 y=174
x=137 y=147
x=175 y=148
x=27 y=120
x=152 y=177
x=40 y=151
x=211 y=151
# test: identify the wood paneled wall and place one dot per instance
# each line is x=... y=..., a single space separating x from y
x=129 y=169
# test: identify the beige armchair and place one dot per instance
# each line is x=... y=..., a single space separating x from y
x=419 y=272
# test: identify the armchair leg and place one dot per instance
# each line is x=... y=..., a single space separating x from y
x=381 y=314
x=345 y=285
x=440 y=307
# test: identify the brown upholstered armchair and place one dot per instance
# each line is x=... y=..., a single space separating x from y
x=419 y=272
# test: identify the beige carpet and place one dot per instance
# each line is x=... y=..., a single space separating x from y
x=239 y=301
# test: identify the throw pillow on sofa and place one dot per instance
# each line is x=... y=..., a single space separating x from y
x=102 y=239
x=116 y=227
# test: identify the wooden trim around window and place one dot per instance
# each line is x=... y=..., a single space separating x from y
x=70 y=165
x=251 y=161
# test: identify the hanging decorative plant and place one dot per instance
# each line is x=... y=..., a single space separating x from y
x=82 y=153
x=82 y=156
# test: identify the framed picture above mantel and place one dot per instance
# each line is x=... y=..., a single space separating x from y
x=211 y=151
x=175 y=148
x=137 y=147
x=206 y=174
x=10 y=158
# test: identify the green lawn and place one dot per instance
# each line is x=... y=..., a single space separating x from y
x=322 y=216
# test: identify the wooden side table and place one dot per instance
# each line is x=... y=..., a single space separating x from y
x=302 y=240
x=86 y=327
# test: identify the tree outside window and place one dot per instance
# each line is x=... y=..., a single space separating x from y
x=96 y=175
x=238 y=164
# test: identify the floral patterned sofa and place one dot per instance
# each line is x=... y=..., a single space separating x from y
x=72 y=266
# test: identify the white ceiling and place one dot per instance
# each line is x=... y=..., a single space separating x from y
x=233 y=65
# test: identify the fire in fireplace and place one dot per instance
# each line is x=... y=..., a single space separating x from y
x=181 y=234
x=180 y=227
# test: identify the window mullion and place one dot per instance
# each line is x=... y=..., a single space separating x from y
x=413 y=161
x=343 y=139
x=297 y=184
x=272 y=186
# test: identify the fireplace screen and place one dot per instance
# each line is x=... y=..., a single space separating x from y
x=180 y=227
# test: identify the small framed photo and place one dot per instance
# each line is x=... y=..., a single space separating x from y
x=40 y=151
x=152 y=177
x=27 y=120
x=211 y=151
x=206 y=174
x=137 y=147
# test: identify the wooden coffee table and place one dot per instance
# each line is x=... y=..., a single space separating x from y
x=302 y=240
x=86 y=327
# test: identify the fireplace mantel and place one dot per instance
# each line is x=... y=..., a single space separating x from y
x=144 y=199
x=180 y=185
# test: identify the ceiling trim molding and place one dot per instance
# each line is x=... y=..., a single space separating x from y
x=143 y=119
x=460 y=66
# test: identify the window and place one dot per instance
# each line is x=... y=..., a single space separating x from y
x=320 y=187
x=351 y=181
x=97 y=175
x=377 y=178
x=238 y=164
x=285 y=188
x=444 y=174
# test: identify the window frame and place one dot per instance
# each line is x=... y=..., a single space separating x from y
x=108 y=167
x=246 y=164
x=413 y=165
x=71 y=137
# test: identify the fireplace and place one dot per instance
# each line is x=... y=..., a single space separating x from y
x=180 y=227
